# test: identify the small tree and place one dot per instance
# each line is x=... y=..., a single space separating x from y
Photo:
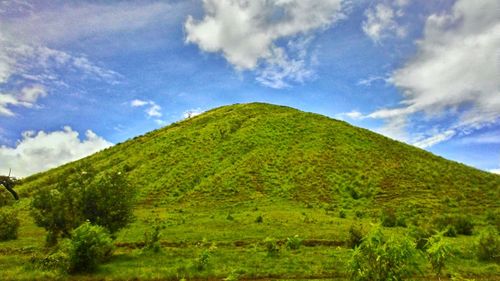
x=381 y=259
x=9 y=223
x=438 y=252
x=89 y=246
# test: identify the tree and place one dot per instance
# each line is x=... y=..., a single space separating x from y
x=106 y=200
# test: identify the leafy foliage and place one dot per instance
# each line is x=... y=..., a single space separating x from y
x=9 y=224
x=355 y=237
x=152 y=237
x=379 y=259
x=438 y=252
x=89 y=246
x=454 y=224
x=106 y=200
x=293 y=243
x=488 y=245
x=272 y=247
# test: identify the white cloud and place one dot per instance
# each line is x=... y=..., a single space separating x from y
x=454 y=72
x=138 y=103
x=40 y=151
x=435 y=139
x=152 y=109
x=27 y=97
x=495 y=171
x=381 y=22
x=354 y=114
x=245 y=33
x=192 y=112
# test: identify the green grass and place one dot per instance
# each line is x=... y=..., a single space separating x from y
x=297 y=170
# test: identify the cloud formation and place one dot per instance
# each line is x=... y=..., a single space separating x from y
x=27 y=97
x=454 y=73
x=151 y=108
x=381 y=21
x=246 y=34
x=37 y=152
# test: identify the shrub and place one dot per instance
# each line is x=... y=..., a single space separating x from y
x=5 y=197
x=89 y=246
x=454 y=224
x=9 y=223
x=152 y=238
x=203 y=260
x=355 y=237
x=438 y=252
x=272 y=247
x=342 y=214
x=56 y=260
x=389 y=218
x=259 y=219
x=106 y=201
x=293 y=243
x=378 y=258
x=488 y=245
x=421 y=235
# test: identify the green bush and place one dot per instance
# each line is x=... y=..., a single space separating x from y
x=272 y=247
x=355 y=237
x=152 y=238
x=389 y=218
x=89 y=246
x=202 y=262
x=56 y=260
x=438 y=252
x=105 y=200
x=381 y=259
x=454 y=224
x=342 y=214
x=293 y=243
x=6 y=198
x=9 y=223
x=488 y=245
x=421 y=235
x=259 y=219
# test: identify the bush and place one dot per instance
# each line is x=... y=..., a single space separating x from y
x=89 y=246
x=438 y=252
x=6 y=198
x=421 y=235
x=342 y=214
x=454 y=224
x=355 y=237
x=56 y=260
x=488 y=245
x=293 y=243
x=9 y=223
x=272 y=247
x=106 y=200
x=381 y=259
x=389 y=218
x=259 y=219
x=152 y=238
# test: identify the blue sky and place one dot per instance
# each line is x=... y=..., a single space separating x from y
x=78 y=76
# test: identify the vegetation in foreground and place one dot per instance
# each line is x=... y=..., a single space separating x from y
x=255 y=192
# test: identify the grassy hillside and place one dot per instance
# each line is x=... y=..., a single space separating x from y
x=248 y=151
x=209 y=178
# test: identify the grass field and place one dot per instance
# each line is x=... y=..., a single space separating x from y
x=222 y=182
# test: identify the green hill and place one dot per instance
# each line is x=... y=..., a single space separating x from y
x=237 y=174
x=250 y=151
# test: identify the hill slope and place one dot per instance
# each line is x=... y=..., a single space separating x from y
x=260 y=151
